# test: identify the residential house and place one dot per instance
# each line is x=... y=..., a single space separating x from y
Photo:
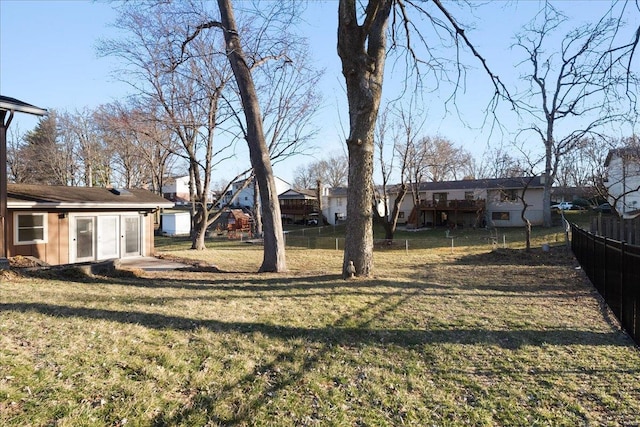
x=297 y=206
x=623 y=180
x=334 y=204
x=62 y=225
x=473 y=203
x=176 y=189
x=245 y=198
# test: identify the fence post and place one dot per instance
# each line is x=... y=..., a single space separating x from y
x=603 y=292
x=623 y=256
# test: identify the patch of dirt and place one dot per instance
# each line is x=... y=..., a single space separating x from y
x=556 y=255
x=25 y=262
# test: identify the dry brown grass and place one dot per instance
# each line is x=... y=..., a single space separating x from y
x=434 y=338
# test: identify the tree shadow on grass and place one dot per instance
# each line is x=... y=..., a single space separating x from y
x=245 y=282
x=288 y=367
x=338 y=335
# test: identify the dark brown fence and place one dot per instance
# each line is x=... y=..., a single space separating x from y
x=614 y=269
x=627 y=230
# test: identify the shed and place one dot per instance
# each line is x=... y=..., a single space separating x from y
x=63 y=225
x=175 y=223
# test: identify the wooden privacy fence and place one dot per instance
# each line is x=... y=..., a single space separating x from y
x=614 y=269
x=627 y=230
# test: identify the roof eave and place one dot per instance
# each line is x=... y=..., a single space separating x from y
x=22 y=107
x=71 y=206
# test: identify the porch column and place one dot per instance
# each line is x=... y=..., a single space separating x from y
x=7 y=108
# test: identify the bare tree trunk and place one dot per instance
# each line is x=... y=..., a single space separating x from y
x=548 y=180
x=274 y=250
x=257 y=210
x=362 y=49
x=198 y=220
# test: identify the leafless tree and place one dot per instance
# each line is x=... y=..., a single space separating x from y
x=335 y=169
x=331 y=171
x=89 y=156
x=16 y=166
x=144 y=148
x=499 y=162
x=186 y=83
x=580 y=83
x=363 y=31
x=443 y=161
x=401 y=131
x=306 y=176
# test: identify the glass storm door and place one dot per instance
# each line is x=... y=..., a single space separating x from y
x=108 y=237
x=131 y=235
x=84 y=241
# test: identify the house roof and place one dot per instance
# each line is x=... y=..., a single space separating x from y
x=298 y=194
x=632 y=152
x=23 y=196
x=493 y=183
x=338 y=191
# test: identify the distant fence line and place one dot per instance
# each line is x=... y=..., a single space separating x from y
x=310 y=241
x=613 y=267
x=326 y=238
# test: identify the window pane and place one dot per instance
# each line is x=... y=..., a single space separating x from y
x=30 y=221
x=31 y=227
x=30 y=234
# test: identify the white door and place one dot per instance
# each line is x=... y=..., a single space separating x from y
x=108 y=240
x=84 y=238
x=131 y=235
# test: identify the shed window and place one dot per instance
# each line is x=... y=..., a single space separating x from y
x=30 y=228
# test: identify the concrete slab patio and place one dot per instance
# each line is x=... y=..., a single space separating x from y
x=151 y=264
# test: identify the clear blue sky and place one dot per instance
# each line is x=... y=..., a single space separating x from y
x=48 y=58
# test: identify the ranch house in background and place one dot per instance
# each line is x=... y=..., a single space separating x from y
x=467 y=203
x=63 y=225
x=473 y=203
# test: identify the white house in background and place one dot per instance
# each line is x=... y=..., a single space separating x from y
x=623 y=180
x=474 y=203
x=176 y=189
x=334 y=204
x=245 y=197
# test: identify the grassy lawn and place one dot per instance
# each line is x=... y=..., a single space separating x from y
x=470 y=337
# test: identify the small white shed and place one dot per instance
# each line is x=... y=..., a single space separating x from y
x=176 y=223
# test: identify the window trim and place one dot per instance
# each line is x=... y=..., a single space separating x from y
x=16 y=228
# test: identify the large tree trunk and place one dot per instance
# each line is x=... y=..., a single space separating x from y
x=257 y=211
x=548 y=181
x=362 y=49
x=274 y=251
